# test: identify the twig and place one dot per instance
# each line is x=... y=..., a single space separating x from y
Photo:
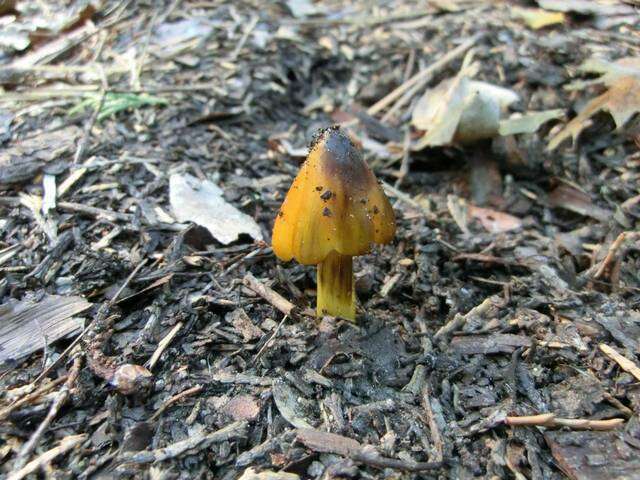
x=403 y=197
x=459 y=320
x=126 y=283
x=62 y=356
x=197 y=442
x=86 y=134
x=47 y=457
x=626 y=364
x=247 y=31
x=95 y=212
x=29 y=398
x=613 y=251
x=433 y=425
x=268 y=342
x=113 y=216
x=135 y=81
x=423 y=76
x=274 y=298
x=176 y=398
x=57 y=404
x=83 y=90
x=549 y=420
x=324 y=442
x=163 y=344
x=530 y=420
x=406 y=158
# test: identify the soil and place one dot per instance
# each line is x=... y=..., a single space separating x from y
x=498 y=335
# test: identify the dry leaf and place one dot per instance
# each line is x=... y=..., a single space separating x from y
x=609 y=72
x=439 y=111
x=494 y=221
x=622 y=101
x=527 y=123
x=570 y=198
x=460 y=110
x=537 y=17
x=201 y=202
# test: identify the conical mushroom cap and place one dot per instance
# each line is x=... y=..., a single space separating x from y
x=335 y=203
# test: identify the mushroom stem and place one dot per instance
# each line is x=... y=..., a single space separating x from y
x=336 y=293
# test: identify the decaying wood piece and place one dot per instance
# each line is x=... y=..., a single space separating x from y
x=273 y=297
x=192 y=444
x=489 y=306
x=47 y=457
x=29 y=325
x=593 y=455
x=324 y=442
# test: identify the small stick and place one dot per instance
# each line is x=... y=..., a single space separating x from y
x=459 y=320
x=176 y=398
x=550 y=420
x=5 y=412
x=433 y=425
x=626 y=364
x=613 y=251
x=57 y=404
x=268 y=342
x=86 y=134
x=245 y=36
x=47 y=457
x=197 y=442
x=95 y=212
x=585 y=424
x=163 y=344
x=274 y=298
x=406 y=159
x=403 y=197
x=423 y=76
x=113 y=216
x=542 y=420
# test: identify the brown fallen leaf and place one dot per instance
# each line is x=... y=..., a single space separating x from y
x=494 y=221
x=242 y=407
x=574 y=200
x=622 y=101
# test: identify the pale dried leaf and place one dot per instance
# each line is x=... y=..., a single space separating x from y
x=610 y=72
x=622 y=101
x=460 y=110
x=527 y=123
x=201 y=202
x=458 y=209
x=537 y=17
x=439 y=111
x=494 y=221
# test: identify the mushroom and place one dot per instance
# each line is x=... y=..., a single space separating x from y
x=334 y=211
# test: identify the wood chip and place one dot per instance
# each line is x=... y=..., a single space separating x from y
x=29 y=325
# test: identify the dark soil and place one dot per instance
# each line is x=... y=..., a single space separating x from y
x=461 y=327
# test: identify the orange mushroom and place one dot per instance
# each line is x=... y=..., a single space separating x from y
x=334 y=211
